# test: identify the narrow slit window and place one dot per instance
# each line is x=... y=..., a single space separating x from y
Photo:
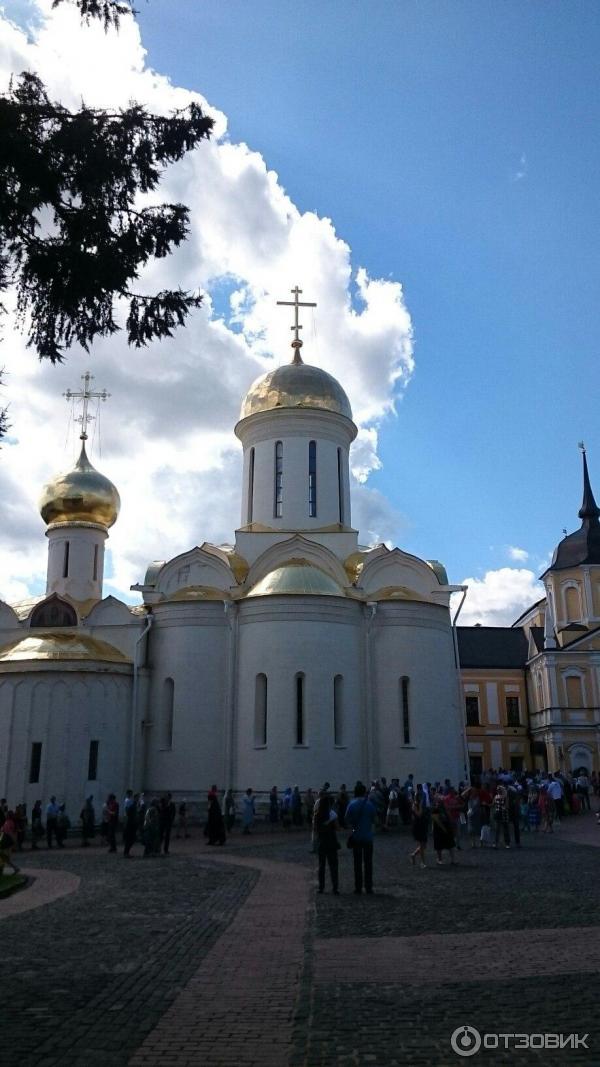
x=93 y=761
x=66 y=561
x=340 y=470
x=168 y=712
x=95 y=562
x=278 y=508
x=299 y=709
x=404 y=683
x=312 y=479
x=338 y=710
x=35 y=762
x=250 y=485
x=260 y=711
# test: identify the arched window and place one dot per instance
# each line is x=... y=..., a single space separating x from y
x=278 y=504
x=66 y=561
x=54 y=612
x=260 y=711
x=250 y=485
x=572 y=603
x=340 y=470
x=300 y=728
x=312 y=479
x=574 y=687
x=95 y=563
x=338 y=710
x=404 y=685
x=168 y=707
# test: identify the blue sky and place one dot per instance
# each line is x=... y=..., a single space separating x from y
x=455 y=147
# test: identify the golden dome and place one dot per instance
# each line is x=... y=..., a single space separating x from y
x=60 y=645
x=80 y=495
x=296 y=385
x=296 y=577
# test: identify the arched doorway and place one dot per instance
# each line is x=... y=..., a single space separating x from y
x=580 y=756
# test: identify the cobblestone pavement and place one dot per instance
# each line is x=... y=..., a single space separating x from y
x=90 y=975
x=223 y=957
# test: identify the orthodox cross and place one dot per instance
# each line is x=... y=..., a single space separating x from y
x=85 y=395
x=296 y=304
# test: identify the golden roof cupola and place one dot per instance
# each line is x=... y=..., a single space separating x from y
x=296 y=429
x=296 y=384
x=79 y=506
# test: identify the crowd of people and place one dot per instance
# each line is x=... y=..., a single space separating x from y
x=494 y=809
x=140 y=821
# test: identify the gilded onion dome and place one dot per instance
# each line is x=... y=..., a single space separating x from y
x=296 y=385
x=80 y=495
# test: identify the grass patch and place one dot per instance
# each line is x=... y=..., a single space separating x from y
x=11 y=882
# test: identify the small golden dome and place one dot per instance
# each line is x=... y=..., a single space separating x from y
x=297 y=577
x=60 y=645
x=80 y=495
x=296 y=385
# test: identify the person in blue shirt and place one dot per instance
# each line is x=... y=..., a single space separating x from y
x=360 y=816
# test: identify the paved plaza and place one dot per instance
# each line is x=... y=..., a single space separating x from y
x=228 y=956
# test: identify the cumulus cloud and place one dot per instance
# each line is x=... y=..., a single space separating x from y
x=500 y=596
x=167 y=431
x=375 y=517
x=518 y=554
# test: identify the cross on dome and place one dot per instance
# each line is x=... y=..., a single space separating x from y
x=296 y=304
x=85 y=395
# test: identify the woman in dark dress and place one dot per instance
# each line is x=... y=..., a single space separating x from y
x=443 y=834
x=420 y=826
x=215 y=825
x=325 y=826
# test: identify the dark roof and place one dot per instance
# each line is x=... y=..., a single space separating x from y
x=491 y=646
x=582 y=546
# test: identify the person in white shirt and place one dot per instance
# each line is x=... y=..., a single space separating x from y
x=555 y=790
x=52 y=811
x=583 y=791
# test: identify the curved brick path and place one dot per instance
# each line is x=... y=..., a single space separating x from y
x=239 y=1007
x=48 y=886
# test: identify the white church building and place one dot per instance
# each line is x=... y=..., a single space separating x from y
x=292 y=656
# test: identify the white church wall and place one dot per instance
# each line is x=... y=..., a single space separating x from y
x=387 y=569
x=281 y=637
x=63 y=711
x=194 y=568
x=189 y=643
x=76 y=560
x=253 y=545
x=295 y=429
x=414 y=640
x=9 y=620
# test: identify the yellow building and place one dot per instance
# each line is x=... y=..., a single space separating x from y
x=532 y=690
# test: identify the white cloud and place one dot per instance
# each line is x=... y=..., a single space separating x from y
x=167 y=430
x=518 y=554
x=521 y=169
x=500 y=596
